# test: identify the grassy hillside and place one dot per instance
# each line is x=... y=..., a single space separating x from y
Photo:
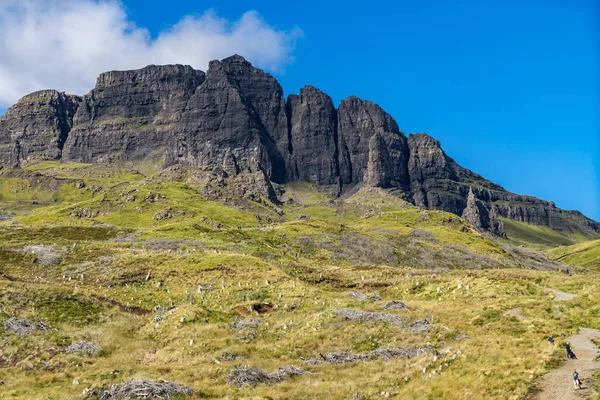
x=171 y=285
x=541 y=237
x=586 y=254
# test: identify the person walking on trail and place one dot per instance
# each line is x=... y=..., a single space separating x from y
x=570 y=353
x=576 y=381
x=551 y=340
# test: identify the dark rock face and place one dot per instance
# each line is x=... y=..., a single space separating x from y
x=479 y=215
x=387 y=163
x=471 y=212
x=37 y=126
x=131 y=114
x=240 y=109
x=313 y=149
x=358 y=121
x=437 y=181
x=234 y=126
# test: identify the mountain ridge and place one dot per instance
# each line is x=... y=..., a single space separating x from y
x=234 y=118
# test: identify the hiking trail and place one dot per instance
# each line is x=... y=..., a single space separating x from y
x=560 y=295
x=558 y=383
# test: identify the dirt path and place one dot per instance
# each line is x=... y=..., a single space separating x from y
x=559 y=295
x=558 y=384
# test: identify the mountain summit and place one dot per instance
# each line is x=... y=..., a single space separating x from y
x=234 y=119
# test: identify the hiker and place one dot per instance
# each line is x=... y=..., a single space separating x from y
x=570 y=353
x=576 y=381
x=551 y=340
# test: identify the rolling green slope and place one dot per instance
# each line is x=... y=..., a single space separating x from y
x=173 y=285
x=541 y=237
x=586 y=254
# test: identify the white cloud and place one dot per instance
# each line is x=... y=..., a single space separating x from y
x=65 y=44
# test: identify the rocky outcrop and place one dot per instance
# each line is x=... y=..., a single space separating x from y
x=471 y=212
x=478 y=214
x=313 y=136
x=240 y=109
x=233 y=125
x=36 y=127
x=131 y=114
x=358 y=121
x=438 y=182
x=387 y=163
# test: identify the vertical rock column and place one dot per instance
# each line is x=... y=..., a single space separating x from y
x=313 y=148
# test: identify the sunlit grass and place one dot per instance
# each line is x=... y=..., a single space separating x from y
x=159 y=296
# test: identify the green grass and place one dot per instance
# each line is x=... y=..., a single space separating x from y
x=586 y=254
x=131 y=284
x=538 y=236
x=45 y=165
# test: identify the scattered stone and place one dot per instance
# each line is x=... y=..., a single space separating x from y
x=245 y=324
x=396 y=305
x=385 y=354
x=153 y=197
x=83 y=347
x=241 y=376
x=45 y=255
x=84 y=213
x=143 y=389
x=80 y=184
x=227 y=356
x=23 y=327
x=365 y=296
x=396 y=320
x=5 y=216
x=165 y=214
x=357 y=396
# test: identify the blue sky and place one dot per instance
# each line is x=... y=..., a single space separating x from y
x=510 y=88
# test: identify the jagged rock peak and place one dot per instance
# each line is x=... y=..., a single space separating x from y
x=471 y=211
x=235 y=59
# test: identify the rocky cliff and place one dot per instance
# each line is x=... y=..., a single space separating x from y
x=234 y=119
x=36 y=127
x=130 y=114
